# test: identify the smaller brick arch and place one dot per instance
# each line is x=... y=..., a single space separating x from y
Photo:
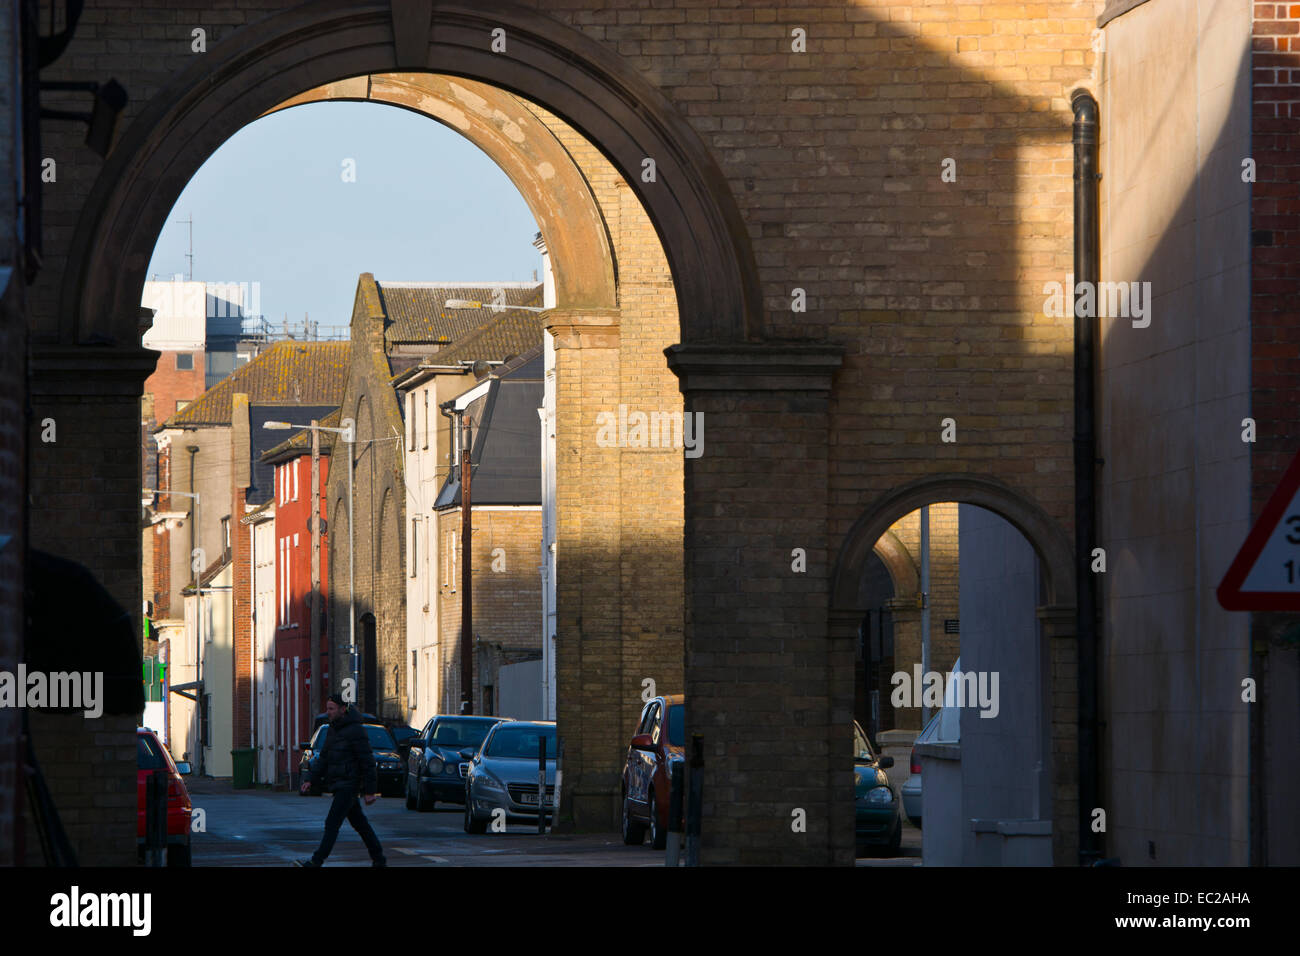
x=900 y=564
x=1041 y=530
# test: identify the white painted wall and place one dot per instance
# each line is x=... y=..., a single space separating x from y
x=423 y=481
x=1005 y=759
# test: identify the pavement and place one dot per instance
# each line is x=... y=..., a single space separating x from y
x=262 y=827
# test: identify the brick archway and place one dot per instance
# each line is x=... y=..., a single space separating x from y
x=1038 y=527
x=1056 y=616
x=260 y=67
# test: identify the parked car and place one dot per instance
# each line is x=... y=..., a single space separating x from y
x=503 y=774
x=403 y=735
x=658 y=743
x=322 y=719
x=152 y=756
x=388 y=767
x=911 y=789
x=439 y=757
x=878 y=818
x=945 y=725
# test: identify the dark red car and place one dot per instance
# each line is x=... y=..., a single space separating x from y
x=659 y=741
x=151 y=756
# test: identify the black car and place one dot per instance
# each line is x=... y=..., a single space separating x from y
x=403 y=735
x=388 y=766
x=435 y=768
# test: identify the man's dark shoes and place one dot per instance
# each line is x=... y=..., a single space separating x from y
x=380 y=862
x=305 y=863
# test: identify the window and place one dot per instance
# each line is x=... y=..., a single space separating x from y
x=410 y=414
x=426 y=418
x=184 y=361
x=180 y=407
x=225 y=534
x=451 y=562
x=648 y=718
x=296 y=463
x=413 y=547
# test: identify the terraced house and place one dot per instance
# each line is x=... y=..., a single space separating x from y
x=396 y=327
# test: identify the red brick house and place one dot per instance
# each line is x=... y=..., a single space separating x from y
x=294 y=668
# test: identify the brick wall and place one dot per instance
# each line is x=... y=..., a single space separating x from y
x=506 y=603
x=1275 y=225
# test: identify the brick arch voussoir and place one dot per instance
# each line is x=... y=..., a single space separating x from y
x=535 y=161
x=264 y=64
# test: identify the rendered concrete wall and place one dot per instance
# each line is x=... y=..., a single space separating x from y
x=1006 y=758
x=1175 y=487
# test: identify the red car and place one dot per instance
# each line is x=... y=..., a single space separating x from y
x=151 y=755
x=659 y=741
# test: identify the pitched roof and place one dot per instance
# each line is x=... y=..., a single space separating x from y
x=510 y=333
x=415 y=312
x=507 y=444
x=286 y=373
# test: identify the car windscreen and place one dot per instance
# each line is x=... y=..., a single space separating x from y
x=521 y=742
x=460 y=734
x=403 y=733
x=147 y=755
x=380 y=738
x=677 y=726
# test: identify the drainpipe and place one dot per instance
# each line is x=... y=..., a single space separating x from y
x=1085 y=465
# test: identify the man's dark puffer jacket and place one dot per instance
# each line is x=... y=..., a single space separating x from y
x=347 y=762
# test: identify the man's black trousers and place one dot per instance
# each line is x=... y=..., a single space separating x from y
x=347 y=805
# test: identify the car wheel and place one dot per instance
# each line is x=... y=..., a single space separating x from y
x=422 y=803
x=178 y=854
x=897 y=842
x=410 y=800
x=473 y=824
x=633 y=830
x=658 y=835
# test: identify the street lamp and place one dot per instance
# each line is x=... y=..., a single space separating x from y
x=348 y=436
x=471 y=304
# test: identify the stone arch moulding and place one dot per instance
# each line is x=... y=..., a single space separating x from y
x=526 y=151
x=268 y=62
x=1028 y=517
x=900 y=564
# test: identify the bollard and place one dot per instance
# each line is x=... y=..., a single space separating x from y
x=695 y=805
x=674 y=857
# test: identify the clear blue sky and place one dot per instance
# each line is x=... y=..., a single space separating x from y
x=270 y=206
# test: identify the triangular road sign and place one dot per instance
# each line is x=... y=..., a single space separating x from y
x=1265 y=575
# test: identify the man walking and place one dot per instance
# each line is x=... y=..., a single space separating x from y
x=346 y=768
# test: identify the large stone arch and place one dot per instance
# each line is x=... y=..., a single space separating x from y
x=258 y=68
x=538 y=165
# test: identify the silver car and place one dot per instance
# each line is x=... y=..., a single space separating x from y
x=501 y=781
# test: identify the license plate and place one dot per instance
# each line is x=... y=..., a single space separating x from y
x=532 y=798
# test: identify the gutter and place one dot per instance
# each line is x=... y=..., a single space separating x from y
x=1086 y=258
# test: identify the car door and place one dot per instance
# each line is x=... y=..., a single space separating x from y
x=643 y=762
x=656 y=761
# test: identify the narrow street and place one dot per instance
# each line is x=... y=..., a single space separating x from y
x=274 y=828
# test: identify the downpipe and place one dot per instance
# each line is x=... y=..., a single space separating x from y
x=1086 y=269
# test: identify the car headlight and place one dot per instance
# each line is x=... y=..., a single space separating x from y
x=434 y=765
x=486 y=781
x=880 y=797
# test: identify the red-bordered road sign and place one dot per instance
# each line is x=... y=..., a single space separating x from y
x=1265 y=575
